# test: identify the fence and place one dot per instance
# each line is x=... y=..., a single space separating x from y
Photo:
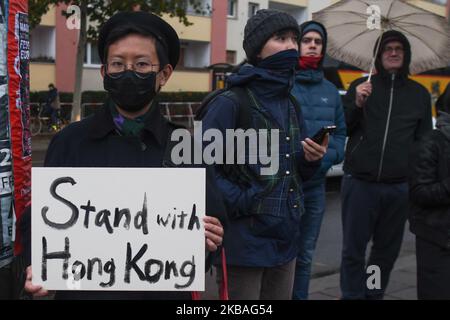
x=181 y=113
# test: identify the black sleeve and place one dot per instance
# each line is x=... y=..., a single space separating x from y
x=425 y=124
x=55 y=152
x=214 y=201
x=25 y=230
x=353 y=114
x=215 y=207
x=427 y=188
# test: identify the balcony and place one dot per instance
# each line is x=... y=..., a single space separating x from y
x=188 y=80
x=297 y=9
x=42 y=44
x=295 y=3
x=200 y=30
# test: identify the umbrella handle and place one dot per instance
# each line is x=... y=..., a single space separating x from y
x=375 y=56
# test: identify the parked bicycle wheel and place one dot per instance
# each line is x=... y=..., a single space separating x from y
x=35 y=126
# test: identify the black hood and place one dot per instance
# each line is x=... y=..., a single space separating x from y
x=388 y=36
x=304 y=29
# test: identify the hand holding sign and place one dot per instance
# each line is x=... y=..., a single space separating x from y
x=35 y=290
x=213 y=233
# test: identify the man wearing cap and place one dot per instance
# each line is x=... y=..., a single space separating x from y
x=262 y=238
x=385 y=118
x=321 y=106
x=139 y=52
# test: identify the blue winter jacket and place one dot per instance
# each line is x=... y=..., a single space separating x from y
x=321 y=106
x=264 y=240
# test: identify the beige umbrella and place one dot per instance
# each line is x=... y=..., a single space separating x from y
x=354 y=26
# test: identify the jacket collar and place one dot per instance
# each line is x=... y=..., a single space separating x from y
x=103 y=124
x=309 y=75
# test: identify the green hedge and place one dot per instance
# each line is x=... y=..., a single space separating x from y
x=100 y=96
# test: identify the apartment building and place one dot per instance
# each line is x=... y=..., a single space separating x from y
x=215 y=36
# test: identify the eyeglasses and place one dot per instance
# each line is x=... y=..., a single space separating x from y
x=307 y=40
x=392 y=49
x=141 y=68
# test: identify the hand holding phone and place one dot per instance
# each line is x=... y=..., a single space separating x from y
x=320 y=135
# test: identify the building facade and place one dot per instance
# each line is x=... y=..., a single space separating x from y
x=215 y=36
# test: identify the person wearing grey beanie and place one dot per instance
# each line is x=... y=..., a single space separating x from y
x=261 y=242
x=263 y=25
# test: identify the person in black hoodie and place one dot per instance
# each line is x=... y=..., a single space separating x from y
x=430 y=207
x=385 y=118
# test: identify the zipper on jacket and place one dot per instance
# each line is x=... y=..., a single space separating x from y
x=380 y=166
x=357 y=145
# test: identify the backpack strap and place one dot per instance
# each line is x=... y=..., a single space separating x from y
x=201 y=112
x=245 y=104
x=240 y=96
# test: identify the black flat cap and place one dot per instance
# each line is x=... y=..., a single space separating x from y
x=153 y=24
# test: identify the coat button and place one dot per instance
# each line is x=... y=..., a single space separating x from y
x=287 y=155
x=288 y=172
x=295 y=206
x=288 y=138
x=291 y=190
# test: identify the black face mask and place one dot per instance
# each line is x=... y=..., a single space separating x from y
x=130 y=90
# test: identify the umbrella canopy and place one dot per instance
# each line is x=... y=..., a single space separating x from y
x=354 y=26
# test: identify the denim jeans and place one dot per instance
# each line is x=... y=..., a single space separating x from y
x=310 y=223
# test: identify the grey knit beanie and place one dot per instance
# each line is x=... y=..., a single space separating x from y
x=262 y=26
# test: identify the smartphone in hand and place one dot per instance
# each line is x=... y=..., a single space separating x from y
x=320 y=135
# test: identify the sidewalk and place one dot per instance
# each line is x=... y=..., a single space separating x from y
x=402 y=284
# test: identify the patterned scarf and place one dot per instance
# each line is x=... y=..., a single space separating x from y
x=126 y=126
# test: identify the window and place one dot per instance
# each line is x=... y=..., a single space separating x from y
x=231 y=57
x=232 y=8
x=252 y=9
x=42 y=44
x=91 y=57
x=181 y=59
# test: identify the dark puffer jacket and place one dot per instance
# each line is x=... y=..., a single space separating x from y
x=430 y=190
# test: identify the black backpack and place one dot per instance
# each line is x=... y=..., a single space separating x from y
x=240 y=95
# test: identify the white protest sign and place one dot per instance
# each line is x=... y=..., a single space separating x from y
x=118 y=228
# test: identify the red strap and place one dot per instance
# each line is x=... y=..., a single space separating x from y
x=223 y=294
x=223 y=290
x=195 y=295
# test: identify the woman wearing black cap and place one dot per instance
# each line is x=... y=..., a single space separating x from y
x=139 y=52
x=262 y=238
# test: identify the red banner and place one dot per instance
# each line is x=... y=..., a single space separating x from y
x=19 y=108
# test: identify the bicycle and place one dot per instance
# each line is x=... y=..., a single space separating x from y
x=40 y=123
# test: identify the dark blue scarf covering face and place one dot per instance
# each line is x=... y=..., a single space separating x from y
x=280 y=61
x=281 y=67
